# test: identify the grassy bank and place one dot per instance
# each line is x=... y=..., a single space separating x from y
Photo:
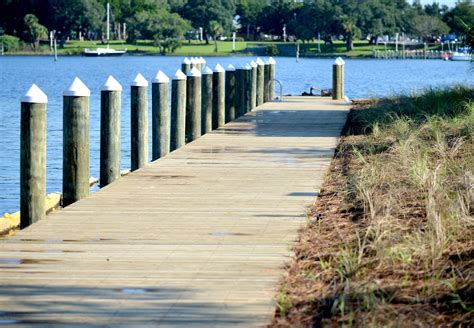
x=195 y=48
x=390 y=241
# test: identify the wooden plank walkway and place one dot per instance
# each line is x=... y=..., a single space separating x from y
x=197 y=239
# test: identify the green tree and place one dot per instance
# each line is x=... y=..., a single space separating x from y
x=35 y=32
x=202 y=12
x=216 y=31
x=429 y=26
x=460 y=16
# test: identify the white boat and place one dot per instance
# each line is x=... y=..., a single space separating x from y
x=461 y=56
x=102 y=52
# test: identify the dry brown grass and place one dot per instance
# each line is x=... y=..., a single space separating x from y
x=391 y=239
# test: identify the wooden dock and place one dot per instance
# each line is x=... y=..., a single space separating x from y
x=198 y=238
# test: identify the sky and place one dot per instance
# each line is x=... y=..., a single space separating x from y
x=449 y=3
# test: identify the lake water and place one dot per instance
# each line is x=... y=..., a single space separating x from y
x=363 y=78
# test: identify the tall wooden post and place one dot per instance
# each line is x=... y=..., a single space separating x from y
x=260 y=80
x=139 y=122
x=203 y=63
x=218 y=97
x=110 y=106
x=33 y=156
x=266 y=82
x=193 y=105
x=229 y=93
x=75 y=142
x=248 y=88
x=178 y=110
x=253 y=88
x=338 y=79
x=160 y=116
x=206 y=100
x=271 y=87
x=186 y=65
x=240 y=91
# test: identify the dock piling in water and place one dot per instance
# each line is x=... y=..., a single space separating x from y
x=239 y=91
x=206 y=100
x=110 y=107
x=160 y=116
x=178 y=110
x=139 y=122
x=253 y=90
x=186 y=65
x=271 y=86
x=266 y=82
x=260 y=80
x=230 y=93
x=338 y=79
x=247 y=88
x=218 y=97
x=193 y=105
x=75 y=142
x=33 y=156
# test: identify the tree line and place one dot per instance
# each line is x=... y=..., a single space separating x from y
x=167 y=22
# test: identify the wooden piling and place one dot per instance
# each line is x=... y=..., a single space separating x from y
x=239 y=91
x=160 y=116
x=260 y=80
x=247 y=88
x=178 y=110
x=218 y=97
x=266 y=82
x=338 y=79
x=253 y=88
x=110 y=106
x=193 y=105
x=271 y=86
x=186 y=65
x=206 y=100
x=75 y=142
x=139 y=122
x=230 y=93
x=33 y=156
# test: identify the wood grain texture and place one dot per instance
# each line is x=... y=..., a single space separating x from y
x=197 y=238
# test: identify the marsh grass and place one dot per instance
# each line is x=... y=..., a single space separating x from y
x=393 y=244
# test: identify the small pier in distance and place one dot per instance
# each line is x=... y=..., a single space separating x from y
x=197 y=238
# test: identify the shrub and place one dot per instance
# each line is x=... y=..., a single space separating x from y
x=10 y=42
x=272 y=50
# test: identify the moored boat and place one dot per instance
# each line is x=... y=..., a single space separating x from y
x=102 y=52
x=461 y=56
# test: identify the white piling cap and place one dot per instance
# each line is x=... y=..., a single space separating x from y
x=253 y=64
x=247 y=67
x=339 y=61
x=77 y=89
x=161 y=78
x=194 y=72
x=219 y=69
x=186 y=60
x=271 y=61
x=111 y=84
x=230 y=68
x=207 y=70
x=140 y=81
x=194 y=60
x=241 y=66
x=179 y=75
x=202 y=60
x=260 y=62
x=35 y=95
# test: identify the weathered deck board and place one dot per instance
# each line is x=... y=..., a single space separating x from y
x=195 y=239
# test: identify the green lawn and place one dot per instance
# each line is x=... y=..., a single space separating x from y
x=196 y=48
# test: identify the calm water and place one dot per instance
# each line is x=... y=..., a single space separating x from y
x=363 y=78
